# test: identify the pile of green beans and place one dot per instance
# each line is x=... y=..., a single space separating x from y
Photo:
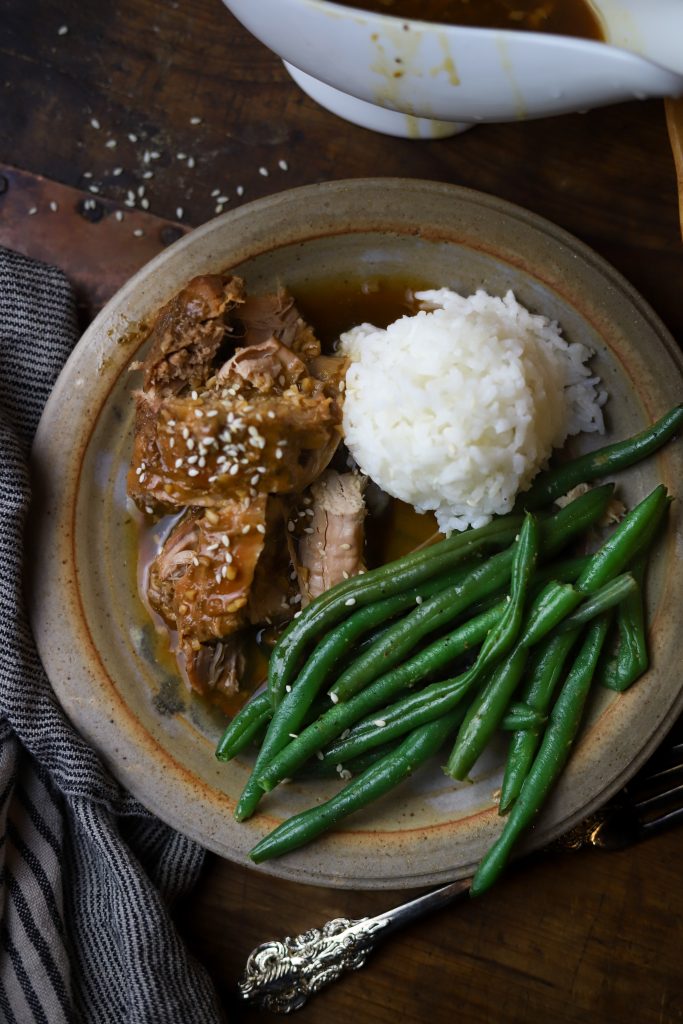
x=485 y=631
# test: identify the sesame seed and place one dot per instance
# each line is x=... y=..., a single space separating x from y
x=132 y=137
x=87 y=174
x=94 y=188
x=339 y=767
x=178 y=463
x=288 y=688
x=263 y=171
x=154 y=155
x=190 y=162
x=261 y=528
x=193 y=472
x=199 y=414
x=32 y=210
x=334 y=698
x=62 y=30
x=379 y=722
x=144 y=203
x=350 y=601
x=344 y=547
x=294 y=735
x=246 y=529
x=117 y=171
x=147 y=175
x=283 y=165
x=345 y=774
x=195 y=120
x=319 y=754
x=225 y=540
x=218 y=209
x=138 y=232
x=95 y=123
x=418 y=599
x=130 y=203
x=179 y=216
x=240 y=190
x=296 y=614
x=111 y=143
x=54 y=206
x=223 y=199
x=141 y=190
x=215 y=192
x=191 y=459
x=181 y=156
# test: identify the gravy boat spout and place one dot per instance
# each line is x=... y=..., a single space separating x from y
x=418 y=79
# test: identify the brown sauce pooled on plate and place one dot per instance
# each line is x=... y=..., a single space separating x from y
x=331 y=308
x=560 y=17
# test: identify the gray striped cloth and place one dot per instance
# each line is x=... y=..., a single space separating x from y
x=88 y=874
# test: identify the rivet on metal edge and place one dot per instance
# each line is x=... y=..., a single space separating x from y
x=93 y=212
x=170 y=234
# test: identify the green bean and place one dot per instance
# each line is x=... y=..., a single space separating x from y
x=548 y=610
x=327 y=610
x=487 y=710
x=555 y=531
x=291 y=712
x=558 y=481
x=374 y=782
x=485 y=579
x=433 y=700
x=563 y=726
x=343 y=715
x=548 y=663
x=611 y=594
x=633 y=533
x=521 y=717
x=327 y=768
x=503 y=635
x=632 y=658
x=485 y=713
x=244 y=726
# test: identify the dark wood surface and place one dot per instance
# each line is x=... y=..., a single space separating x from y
x=574 y=937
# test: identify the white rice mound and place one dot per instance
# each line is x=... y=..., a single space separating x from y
x=456 y=408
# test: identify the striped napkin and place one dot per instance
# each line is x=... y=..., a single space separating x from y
x=88 y=875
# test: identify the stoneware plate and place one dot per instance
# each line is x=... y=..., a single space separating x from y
x=95 y=641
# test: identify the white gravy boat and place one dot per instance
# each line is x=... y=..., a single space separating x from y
x=422 y=80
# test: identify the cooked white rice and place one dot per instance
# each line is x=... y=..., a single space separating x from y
x=456 y=408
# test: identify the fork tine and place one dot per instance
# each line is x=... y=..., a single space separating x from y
x=652 y=803
x=662 y=822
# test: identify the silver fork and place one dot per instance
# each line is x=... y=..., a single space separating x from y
x=281 y=974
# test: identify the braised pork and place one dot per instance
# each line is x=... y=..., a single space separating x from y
x=237 y=407
x=188 y=332
x=330 y=544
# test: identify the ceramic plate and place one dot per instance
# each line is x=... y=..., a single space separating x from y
x=93 y=636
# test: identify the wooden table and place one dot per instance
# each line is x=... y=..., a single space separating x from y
x=88 y=89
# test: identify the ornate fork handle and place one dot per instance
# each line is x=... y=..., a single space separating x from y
x=280 y=975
